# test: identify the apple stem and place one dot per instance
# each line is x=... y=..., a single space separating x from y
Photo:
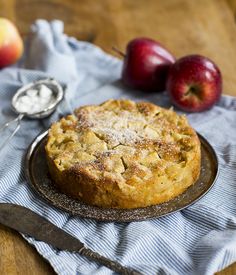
x=118 y=51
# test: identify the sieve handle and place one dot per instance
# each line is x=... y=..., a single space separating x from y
x=16 y=120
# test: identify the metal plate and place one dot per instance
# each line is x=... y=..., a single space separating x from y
x=39 y=178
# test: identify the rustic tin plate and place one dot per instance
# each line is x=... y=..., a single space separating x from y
x=39 y=178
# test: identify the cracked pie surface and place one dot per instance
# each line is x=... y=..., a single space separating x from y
x=123 y=154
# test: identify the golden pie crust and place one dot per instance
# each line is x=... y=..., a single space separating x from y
x=123 y=154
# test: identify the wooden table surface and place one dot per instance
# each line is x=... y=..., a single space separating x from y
x=206 y=27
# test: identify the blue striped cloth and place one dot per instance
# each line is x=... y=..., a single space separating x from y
x=198 y=240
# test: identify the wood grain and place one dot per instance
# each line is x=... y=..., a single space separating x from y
x=206 y=27
x=18 y=257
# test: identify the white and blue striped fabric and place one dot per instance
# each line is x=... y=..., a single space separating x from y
x=198 y=240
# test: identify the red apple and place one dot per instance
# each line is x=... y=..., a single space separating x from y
x=11 y=45
x=194 y=83
x=146 y=65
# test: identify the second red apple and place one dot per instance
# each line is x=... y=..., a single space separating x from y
x=194 y=83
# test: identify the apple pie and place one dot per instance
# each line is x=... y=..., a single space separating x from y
x=123 y=154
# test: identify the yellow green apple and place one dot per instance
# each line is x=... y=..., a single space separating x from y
x=11 y=44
